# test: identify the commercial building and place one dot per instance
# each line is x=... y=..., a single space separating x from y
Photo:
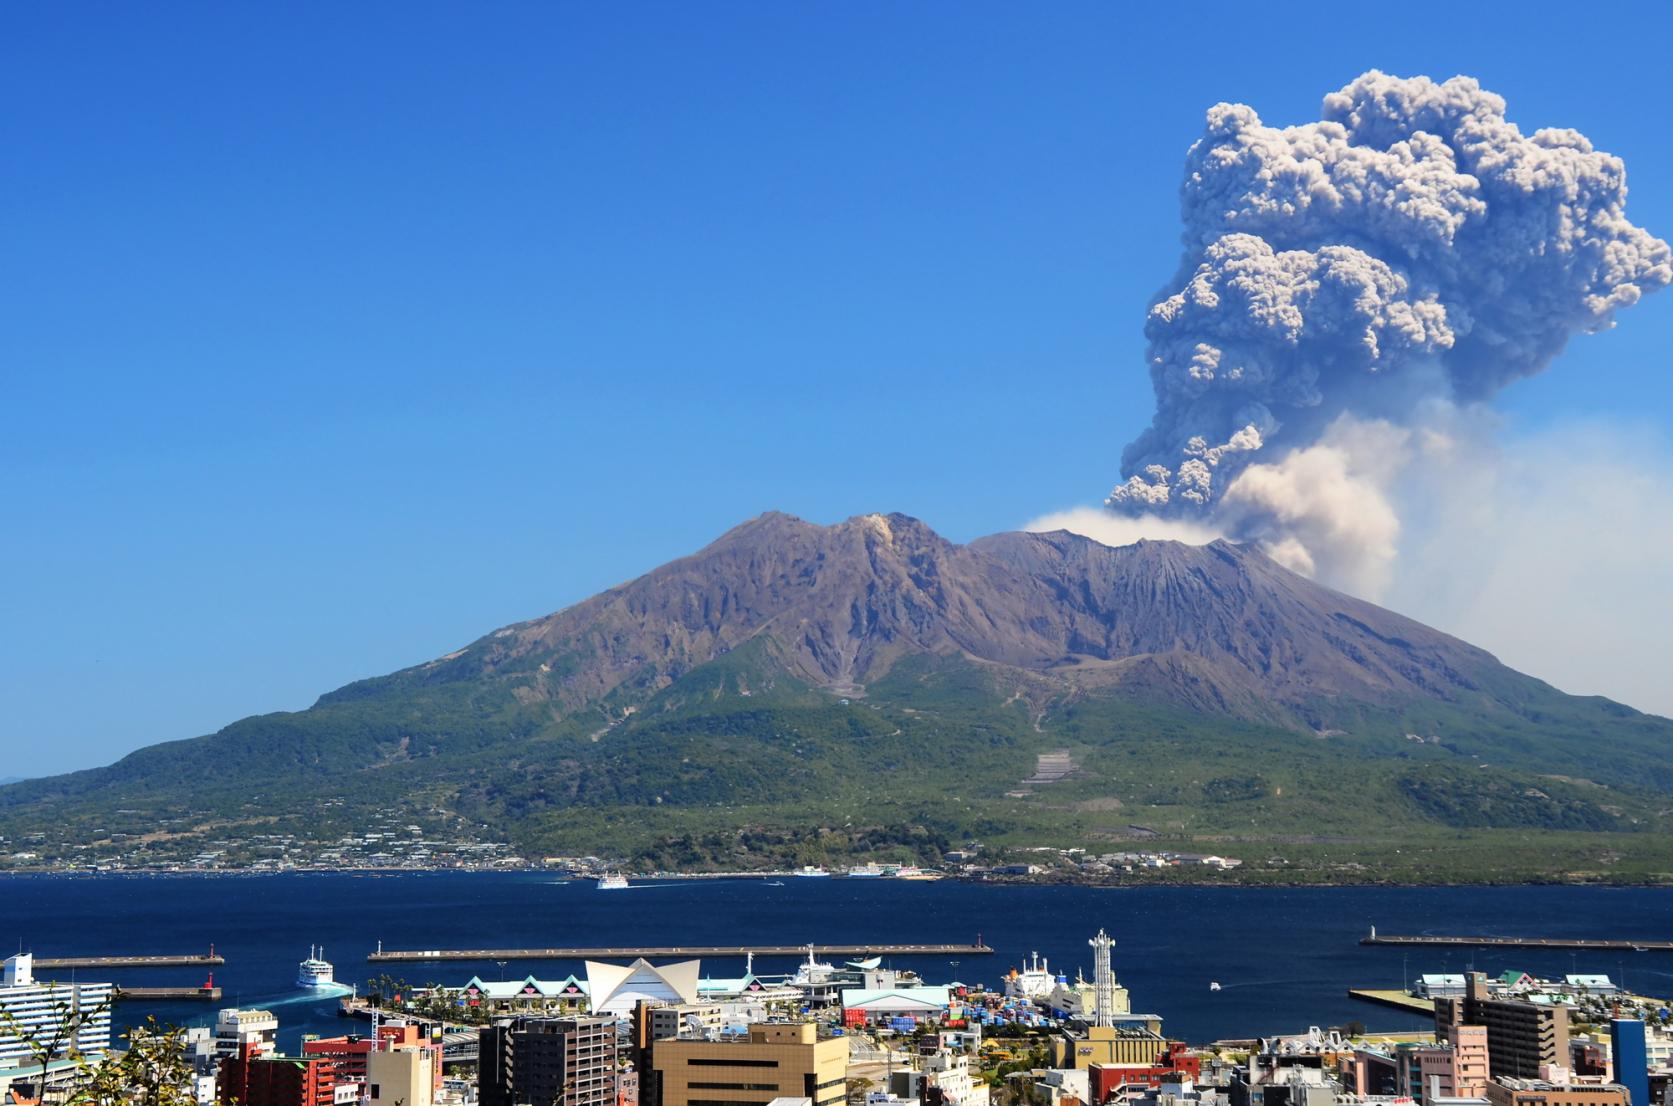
x=550 y=1061
x=1631 y=1059
x=1522 y=1037
x=774 y=1060
x=75 y=1017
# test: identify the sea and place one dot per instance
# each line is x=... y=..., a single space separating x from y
x=1284 y=958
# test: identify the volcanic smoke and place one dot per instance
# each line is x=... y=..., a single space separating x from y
x=1352 y=292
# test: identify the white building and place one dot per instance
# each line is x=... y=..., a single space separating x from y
x=65 y=1017
x=236 y=1028
x=615 y=989
x=952 y=1074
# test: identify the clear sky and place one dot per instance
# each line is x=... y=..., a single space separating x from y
x=334 y=336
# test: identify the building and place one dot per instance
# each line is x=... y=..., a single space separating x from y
x=550 y=1061
x=236 y=1028
x=881 y=1006
x=352 y=1055
x=407 y=1076
x=774 y=1060
x=1538 y=1092
x=945 y=1080
x=1459 y=1070
x=252 y=1078
x=1441 y=986
x=684 y=1019
x=616 y=989
x=1136 y=1041
x=1174 y=1064
x=66 y=1018
x=1522 y=1037
x=1631 y=1060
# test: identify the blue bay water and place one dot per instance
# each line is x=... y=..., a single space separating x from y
x=1284 y=957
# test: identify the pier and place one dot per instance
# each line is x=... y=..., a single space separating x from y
x=207 y=994
x=1376 y=938
x=1399 y=1000
x=385 y=956
x=186 y=960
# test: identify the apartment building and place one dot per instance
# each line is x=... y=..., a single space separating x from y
x=75 y=1016
x=548 y=1061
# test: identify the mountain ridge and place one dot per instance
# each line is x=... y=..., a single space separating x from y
x=788 y=670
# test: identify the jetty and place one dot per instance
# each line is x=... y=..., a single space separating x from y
x=617 y=952
x=184 y=960
x=1399 y=1000
x=1375 y=938
x=208 y=993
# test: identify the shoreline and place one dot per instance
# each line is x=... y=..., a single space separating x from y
x=1223 y=881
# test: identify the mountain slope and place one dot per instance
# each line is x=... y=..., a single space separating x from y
x=790 y=667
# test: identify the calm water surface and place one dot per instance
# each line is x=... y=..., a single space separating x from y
x=1284 y=957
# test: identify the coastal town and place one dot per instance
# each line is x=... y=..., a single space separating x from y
x=632 y=1030
x=392 y=845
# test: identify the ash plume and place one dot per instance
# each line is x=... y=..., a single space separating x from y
x=1348 y=288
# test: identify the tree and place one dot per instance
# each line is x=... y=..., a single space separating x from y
x=152 y=1071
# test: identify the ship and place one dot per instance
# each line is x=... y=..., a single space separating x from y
x=1035 y=981
x=865 y=871
x=812 y=871
x=910 y=872
x=315 y=971
x=613 y=881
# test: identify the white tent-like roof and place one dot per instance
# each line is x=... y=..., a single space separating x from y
x=616 y=988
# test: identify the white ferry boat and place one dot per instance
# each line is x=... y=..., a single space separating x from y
x=315 y=971
x=910 y=872
x=613 y=881
x=811 y=871
x=866 y=871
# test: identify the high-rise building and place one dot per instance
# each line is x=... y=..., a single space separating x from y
x=1522 y=1037
x=775 y=1060
x=549 y=1062
x=1630 y=1058
x=61 y=1018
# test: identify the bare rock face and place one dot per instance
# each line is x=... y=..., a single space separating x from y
x=1218 y=627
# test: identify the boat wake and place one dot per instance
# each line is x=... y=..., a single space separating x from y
x=330 y=992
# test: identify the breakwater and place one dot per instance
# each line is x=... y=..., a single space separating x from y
x=619 y=952
x=1598 y=943
x=185 y=960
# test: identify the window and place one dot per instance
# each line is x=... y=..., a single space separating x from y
x=702 y=1062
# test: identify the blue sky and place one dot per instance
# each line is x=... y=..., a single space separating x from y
x=334 y=337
